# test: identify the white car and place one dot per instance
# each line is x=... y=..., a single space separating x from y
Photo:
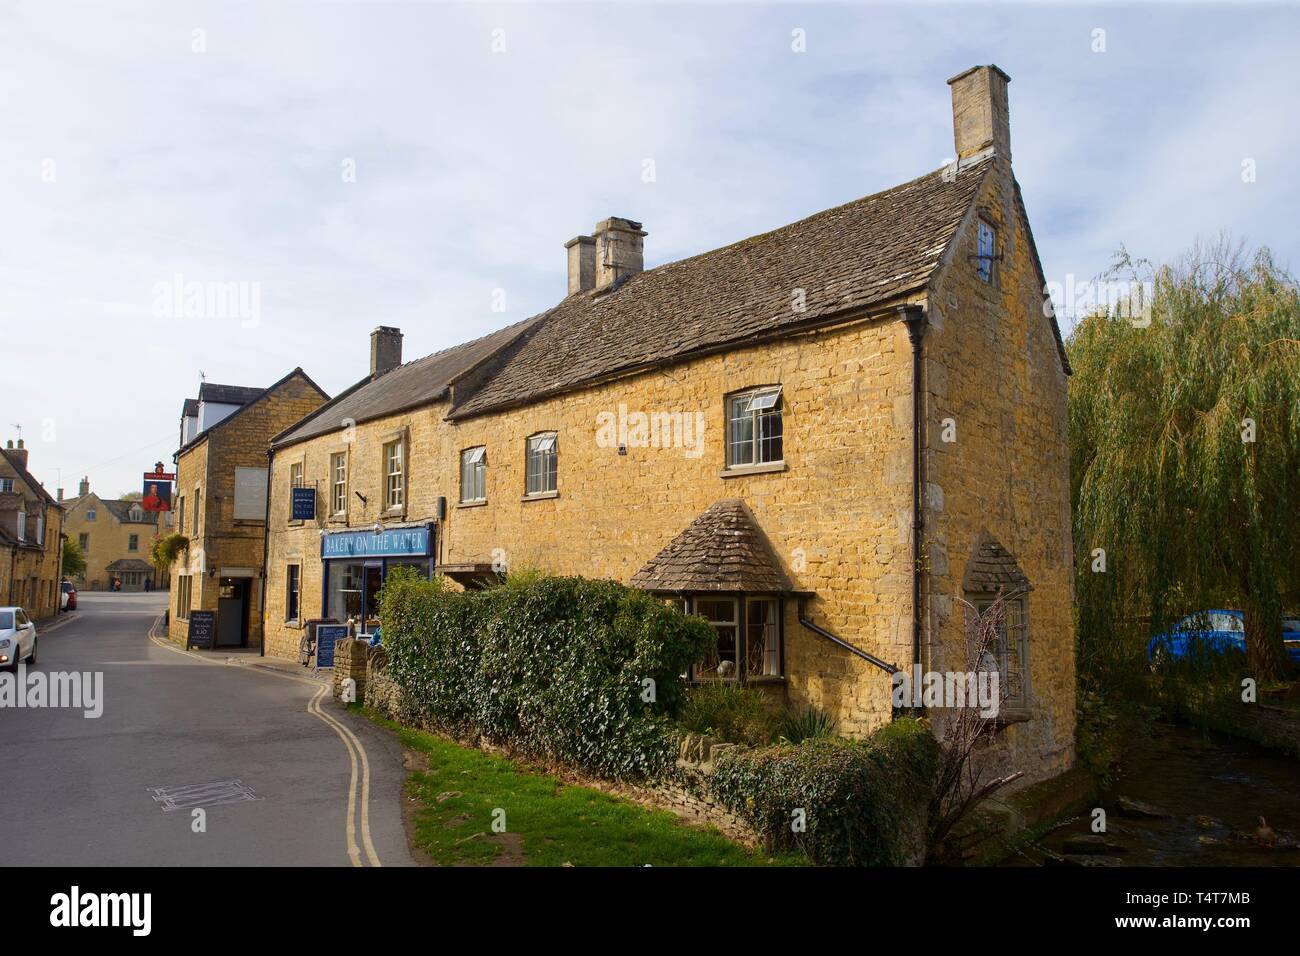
x=17 y=638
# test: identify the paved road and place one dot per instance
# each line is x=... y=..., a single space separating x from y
x=80 y=791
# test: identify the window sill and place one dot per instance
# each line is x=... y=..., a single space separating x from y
x=766 y=468
x=337 y=519
x=1012 y=716
x=296 y=625
x=394 y=513
x=541 y=496
x=472 y=504
x=768 y=679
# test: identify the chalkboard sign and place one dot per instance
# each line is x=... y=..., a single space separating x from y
x=303 y=504
x=326 y=636
x=203 y=626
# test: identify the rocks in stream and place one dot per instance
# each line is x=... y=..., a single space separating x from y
x=1092 y=844
x=1128 y=807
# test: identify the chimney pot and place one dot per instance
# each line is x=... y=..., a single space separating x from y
x=385 y=350
x=582 y=263
x=84 y=488
x=980 y=115
x=59 y=497
x=619 y=251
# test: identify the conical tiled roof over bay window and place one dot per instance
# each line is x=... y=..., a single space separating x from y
x=722 y=550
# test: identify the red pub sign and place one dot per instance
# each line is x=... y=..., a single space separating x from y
x=157 y=493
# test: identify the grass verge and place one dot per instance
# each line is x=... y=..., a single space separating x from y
x=458 y=792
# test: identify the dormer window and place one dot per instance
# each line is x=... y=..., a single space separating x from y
x=986 y=250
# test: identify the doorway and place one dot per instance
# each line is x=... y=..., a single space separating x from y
x=232 y=612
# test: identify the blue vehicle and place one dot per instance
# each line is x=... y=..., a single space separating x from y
x=1216 y=632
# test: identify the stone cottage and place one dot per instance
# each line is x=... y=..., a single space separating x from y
x=828 y=440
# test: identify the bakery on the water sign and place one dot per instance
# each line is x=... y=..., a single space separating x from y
x=387 y=543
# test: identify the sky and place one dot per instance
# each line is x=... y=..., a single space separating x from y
x=343 y=165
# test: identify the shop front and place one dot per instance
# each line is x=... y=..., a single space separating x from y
x=356 y=563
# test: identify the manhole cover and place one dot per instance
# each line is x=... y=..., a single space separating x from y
x=202 y=795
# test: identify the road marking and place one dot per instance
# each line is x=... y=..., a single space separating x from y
x=202 y=795
x=350 y=740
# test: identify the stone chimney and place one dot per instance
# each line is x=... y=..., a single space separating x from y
x=84 y=488
x=618 y=251
x=385 y=350
x=980 y=117
x=59 y=496
x=582 y=263
x=19 y=453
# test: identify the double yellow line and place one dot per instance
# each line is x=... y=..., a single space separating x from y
x=356 y=752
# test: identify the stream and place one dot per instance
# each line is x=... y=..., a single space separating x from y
x=1209 y=790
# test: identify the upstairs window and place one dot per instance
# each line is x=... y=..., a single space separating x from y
x=22 y=526
x=40 y=529
x=755 y=428
x=83 y=541
x=6 y=485
x=339 y=483
x=133 y=542
x=540 y=474
x=394 y=476
x=194 y=529
x=90 y=514
x=473 y=474
x=986 y=250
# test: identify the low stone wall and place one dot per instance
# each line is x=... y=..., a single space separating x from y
x=687 y=794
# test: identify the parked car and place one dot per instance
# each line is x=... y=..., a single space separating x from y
x=17 y=638
x=69 y=599
x=1216 y=632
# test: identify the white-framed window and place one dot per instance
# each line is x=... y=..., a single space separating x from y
x=1010 y=651
x=6 y=485
x=184 y=584
x=133 y=542
x=473 y=474
x=986 y=250
x=293 y=591
x=40 y=529
x=540 y=473
x=83 y=540
x=394 y=475
x=22 y=526
x=90 y=514
x=136 y=513
x=339 y=483
x=755 y=430
x=295 y=474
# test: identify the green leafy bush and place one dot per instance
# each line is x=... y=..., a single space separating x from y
x=553 y=667
x=862 y=803
x=799 y=725
x=167 y=549
x=728 y=711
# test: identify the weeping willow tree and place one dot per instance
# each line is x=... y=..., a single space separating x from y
x=1185 y=454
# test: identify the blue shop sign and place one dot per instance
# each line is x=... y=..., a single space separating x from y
x=389 y=543
x=303 y=504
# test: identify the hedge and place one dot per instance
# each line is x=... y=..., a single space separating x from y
x=552 y=667
x=863 y=803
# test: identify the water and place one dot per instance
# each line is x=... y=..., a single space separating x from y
x=1213 y=789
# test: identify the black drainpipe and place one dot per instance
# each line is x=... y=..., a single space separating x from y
x=914 y=318
x=266 y=545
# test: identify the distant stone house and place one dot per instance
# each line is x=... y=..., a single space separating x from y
x=31 y=537
x=116 y=537
x=220 y=501
x=829 y=440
